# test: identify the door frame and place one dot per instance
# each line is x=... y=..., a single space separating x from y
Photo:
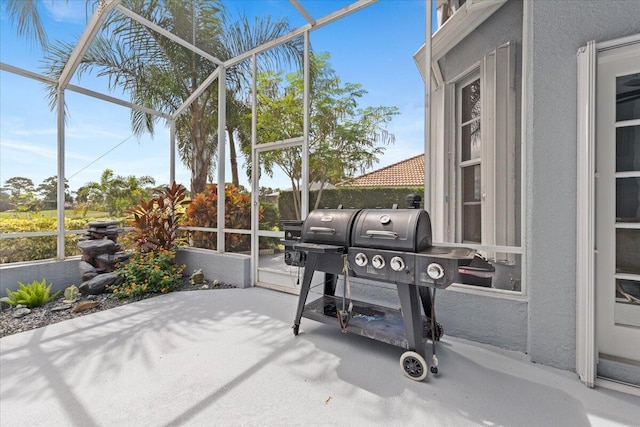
x=586 y=348
x=256 y=149
x=255 y=221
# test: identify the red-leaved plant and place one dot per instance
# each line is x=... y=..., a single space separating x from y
x=203 y=212
x=157 y=220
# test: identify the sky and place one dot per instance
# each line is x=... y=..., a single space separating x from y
x=373 y=47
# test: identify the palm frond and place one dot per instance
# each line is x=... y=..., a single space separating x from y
x=243 y=35
x=24 y=13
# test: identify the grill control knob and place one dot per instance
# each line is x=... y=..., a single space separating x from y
x=377 y=261
x=361 y=259
x=435 y=271
x=396 y=263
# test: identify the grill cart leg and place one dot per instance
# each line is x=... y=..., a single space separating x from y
x=425 y=298
x=412 y=319
x=434 y=333
x=309 y=269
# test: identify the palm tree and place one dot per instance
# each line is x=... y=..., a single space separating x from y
x=116 y=192
x=160 y=74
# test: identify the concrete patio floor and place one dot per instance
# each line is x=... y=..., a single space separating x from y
x=229 y=358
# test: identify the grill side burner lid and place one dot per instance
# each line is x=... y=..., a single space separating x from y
x=329 y=226
x=395 y=229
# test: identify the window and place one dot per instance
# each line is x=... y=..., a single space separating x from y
x=469 y=146
x=476 y=169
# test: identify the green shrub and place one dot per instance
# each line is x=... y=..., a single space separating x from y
x=151 y=272
x=32 y=295
x=270 y=218
x=34 y=248
x=350 y=197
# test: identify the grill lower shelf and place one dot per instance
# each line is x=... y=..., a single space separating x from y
x=370 y=320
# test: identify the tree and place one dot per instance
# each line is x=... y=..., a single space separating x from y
x=160 y=74
x=5 y=202
x=116 y=193
x=343 y=138
x=48 y=189
x=27 y=202
x=18 y=185
x=236 y=111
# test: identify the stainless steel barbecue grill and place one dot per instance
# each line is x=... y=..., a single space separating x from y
x=387 y=245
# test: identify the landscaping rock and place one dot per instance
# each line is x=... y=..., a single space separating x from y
x=97 y=247
x=100 y=253
x=98 y=284
x=97 y=225
x=197 y=278
x=61 y=307
x=87 y=271
x=84 y=306
x=121 y=257
x=102 y=229
x=105 y=262
x=42 y=316
x=21 y=312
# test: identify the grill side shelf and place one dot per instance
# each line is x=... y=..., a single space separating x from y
x=369 y=320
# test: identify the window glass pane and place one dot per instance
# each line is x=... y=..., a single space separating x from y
x=471 y=101
x=471 y=141
x=628 y=97
x=471 y=182
x=628 y=199
x=628 y=149
x=627 y=250
x=471 y=223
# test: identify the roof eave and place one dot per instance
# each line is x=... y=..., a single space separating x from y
x=454 y=30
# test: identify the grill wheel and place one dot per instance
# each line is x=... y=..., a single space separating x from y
x=413 y=365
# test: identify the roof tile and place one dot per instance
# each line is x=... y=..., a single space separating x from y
x=406 y=173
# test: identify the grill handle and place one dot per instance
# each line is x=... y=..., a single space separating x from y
x=382 y=234
x=322 y=230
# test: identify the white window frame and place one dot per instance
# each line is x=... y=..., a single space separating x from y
x=498 y=166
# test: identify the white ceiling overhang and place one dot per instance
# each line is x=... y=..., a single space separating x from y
x=453 y=31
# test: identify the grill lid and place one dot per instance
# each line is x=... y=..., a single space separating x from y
x=396 y=229
x=329 y=226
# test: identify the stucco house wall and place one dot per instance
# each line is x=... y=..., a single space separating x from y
x=556 y=30
x=546 y=87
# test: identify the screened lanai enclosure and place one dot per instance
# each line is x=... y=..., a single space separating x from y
x=211 y=95
x=282 y=104
x=291 y=106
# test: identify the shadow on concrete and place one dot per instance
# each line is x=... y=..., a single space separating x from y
x=229 y=357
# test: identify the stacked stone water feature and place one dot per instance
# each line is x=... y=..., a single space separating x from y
x=100 y=252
